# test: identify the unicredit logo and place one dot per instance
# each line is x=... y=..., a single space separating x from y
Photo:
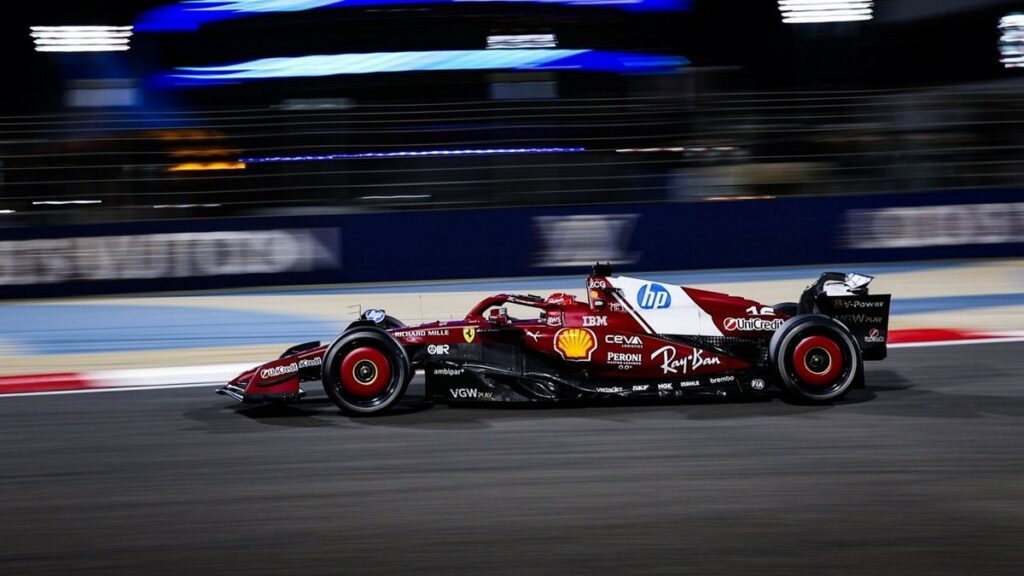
x=653 y=296
x=279 y=370
x=751 y=324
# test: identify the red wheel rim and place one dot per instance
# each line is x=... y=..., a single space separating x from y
x=818 y=361
x=365 y=372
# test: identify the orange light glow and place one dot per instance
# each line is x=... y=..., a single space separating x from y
x=200 y=166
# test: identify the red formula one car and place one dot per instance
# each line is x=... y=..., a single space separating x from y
x=631 y=338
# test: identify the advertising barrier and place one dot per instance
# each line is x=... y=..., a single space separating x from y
x=434 y=245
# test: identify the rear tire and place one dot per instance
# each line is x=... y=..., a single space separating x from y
x=787 y=308
x=365 y=371
x=815 y=358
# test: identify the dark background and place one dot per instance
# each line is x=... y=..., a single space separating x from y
x=928 y=46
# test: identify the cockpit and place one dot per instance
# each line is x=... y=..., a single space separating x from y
x=524 y=309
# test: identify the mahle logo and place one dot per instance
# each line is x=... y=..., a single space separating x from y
x=653 y=296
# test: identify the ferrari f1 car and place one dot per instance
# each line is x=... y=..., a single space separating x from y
x=630 y=338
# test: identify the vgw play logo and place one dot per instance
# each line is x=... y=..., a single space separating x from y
x=653 y=296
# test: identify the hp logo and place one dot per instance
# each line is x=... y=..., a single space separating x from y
x=653 y=296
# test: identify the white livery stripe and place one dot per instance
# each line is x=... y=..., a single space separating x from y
x=666 y=308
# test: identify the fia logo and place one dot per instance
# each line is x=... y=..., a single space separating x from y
x=653 y=296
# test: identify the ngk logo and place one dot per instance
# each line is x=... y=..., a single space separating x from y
x=751 y=324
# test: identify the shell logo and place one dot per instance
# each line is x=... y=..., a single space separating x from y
x=575 y=344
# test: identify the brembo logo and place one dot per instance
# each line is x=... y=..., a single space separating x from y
x=653 y=296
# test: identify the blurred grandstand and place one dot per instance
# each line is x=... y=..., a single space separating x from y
x=505 y=153
x=249 y=108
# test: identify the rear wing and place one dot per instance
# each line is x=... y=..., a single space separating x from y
x=845 y=297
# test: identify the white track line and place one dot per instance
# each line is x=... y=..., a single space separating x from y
x=157 y=377
x=957 y=342
x=105 y=390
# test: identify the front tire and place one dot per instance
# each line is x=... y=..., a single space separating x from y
x=815 y=358
x=365 y=371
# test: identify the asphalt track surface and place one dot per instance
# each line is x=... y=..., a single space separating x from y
x=922 y=473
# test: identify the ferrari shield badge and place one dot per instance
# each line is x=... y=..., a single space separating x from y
x=469 y=333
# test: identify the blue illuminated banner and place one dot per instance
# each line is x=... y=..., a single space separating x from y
x=333 y=247
x=521 y=59
x=192 y=15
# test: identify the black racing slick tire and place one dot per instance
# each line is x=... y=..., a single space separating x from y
x=365 y=371
x=815 y=358
x=787 y=308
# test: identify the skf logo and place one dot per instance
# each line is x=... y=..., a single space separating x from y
x=653 y=296
x=469 y=333
x=575 y=344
